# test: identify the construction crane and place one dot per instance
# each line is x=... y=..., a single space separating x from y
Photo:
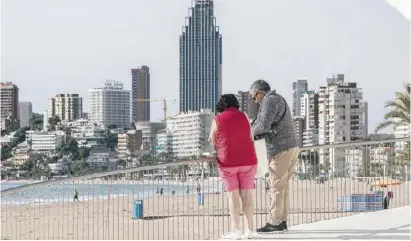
x=164 y=100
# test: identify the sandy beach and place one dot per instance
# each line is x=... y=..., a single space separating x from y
x=173 y=217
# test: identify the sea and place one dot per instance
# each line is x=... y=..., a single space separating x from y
x=88 y=191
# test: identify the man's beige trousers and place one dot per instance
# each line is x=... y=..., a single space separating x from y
x=281 y=171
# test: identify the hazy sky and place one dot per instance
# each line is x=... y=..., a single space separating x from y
x=70 y=46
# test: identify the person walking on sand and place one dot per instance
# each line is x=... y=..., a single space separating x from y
x=236 y=161
x=274 y=123
x=75 y=197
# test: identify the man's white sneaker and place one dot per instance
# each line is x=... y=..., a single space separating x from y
x=248 y=234
x=234 y=235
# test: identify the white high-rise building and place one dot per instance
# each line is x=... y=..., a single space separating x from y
x=110 y=105
x=26 y=112
x=66 y=106
x=190 y=132
x=342 y=118
x=309 y=110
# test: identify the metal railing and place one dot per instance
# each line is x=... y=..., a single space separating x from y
x=162 y=201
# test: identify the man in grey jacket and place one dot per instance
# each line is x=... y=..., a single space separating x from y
x=274 y=123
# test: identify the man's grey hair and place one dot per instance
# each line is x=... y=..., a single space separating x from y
x=260 y=85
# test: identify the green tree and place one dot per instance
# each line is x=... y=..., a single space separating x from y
x=112 y=126
x=122 y=163
x=399 y=113
x=111 y=140
x=71 y=147
x=6 y=152
x=78 y=168
x=53 y=121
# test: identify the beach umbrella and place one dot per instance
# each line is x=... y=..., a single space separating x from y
x=385 y=182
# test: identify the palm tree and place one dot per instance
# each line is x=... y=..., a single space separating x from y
x=399 y=113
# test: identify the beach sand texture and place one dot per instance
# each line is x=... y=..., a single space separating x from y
x=174 y=217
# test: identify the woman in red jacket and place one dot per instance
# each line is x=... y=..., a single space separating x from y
x=237 y=162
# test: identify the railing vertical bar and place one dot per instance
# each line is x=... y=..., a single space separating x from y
x=164 y=214
x=138 y=197
x=123 y=209
x=129 y=180
x=73 y=206
x=88 y=211
x=94 y=221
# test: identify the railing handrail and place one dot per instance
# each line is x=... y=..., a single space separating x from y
x=180 y=163
x=354 y=143
x=103 y=174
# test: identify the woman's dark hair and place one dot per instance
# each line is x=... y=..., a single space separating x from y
x=226 y=101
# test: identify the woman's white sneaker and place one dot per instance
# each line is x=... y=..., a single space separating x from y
x=248 y=234
x=234 y=235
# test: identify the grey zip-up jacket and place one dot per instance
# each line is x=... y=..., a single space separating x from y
x=282 y=137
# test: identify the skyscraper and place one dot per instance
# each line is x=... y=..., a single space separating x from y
x=26 y=112
x=299 y=87
x=200 y=59
x=140 y=88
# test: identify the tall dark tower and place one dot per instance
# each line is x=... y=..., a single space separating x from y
x=200 y=59
x=140 y=87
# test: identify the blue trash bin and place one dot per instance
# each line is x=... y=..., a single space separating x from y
x=138 y=209
x=200 y=199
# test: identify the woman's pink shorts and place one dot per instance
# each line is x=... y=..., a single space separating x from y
x=235 y=178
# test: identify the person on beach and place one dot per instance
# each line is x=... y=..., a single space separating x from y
x=236 y=161
x=161 y=191
x=75 y=197
x=187 y=190
x=198 y=188
x=387 y=199
x=274 y=123
x=173 y=191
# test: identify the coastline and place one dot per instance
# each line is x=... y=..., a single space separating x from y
x=172 y=217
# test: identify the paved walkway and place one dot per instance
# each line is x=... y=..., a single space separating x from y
x=391 y=224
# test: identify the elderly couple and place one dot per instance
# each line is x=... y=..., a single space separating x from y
x=232 y=136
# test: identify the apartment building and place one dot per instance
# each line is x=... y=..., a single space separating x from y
x=309 y=110
x=342 y=118
x=149 y=131
x=110 y=105
x=247 y=104
x=129 y=143
x=190 y=133
x=164 y=142
x=299 y=129
x=45 y=142
x=66 y=106
x=9 y=102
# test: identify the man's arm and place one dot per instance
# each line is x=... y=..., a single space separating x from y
x=213 y=132
x=265 y=118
